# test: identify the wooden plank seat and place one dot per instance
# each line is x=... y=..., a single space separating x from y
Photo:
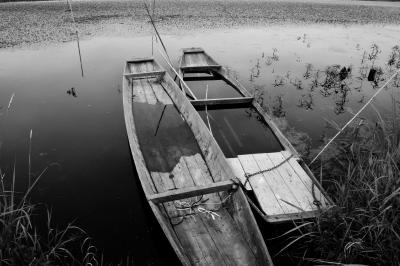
x=145 y=75
x=284 y=190
x=199 y=68
x=187 y=192
x=221 y=101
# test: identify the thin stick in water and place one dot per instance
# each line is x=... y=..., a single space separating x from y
x=208 y=119
x=77 y=35
x=10 y=102
x=29 y=158
x=155 y=29
x=159 y=120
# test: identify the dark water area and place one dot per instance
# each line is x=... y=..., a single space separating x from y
x=214 y=88
x=78 y=124
x=240 y=131
x=163 y=135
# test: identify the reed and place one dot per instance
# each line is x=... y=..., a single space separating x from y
x=361 y=173
x=22 y=243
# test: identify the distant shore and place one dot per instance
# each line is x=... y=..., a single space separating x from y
x=24 y=23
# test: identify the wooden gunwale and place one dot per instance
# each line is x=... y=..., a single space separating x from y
x=223 y=73
x=220 y=171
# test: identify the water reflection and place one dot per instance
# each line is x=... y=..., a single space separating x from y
x=72 y=92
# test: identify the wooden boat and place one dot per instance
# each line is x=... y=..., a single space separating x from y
x=184 y=174
x=285 y=189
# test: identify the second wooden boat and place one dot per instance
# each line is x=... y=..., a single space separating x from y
x=258 y=153
x=184 y=174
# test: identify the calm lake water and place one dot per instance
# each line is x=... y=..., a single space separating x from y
x=81 y=133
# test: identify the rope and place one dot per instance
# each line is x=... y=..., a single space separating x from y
x=195 y=206
x=177 y=74
x=316 y=202
x=247 y=175
x=351 y=120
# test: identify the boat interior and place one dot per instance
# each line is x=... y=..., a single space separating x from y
x=206 y=224
x=286 y=189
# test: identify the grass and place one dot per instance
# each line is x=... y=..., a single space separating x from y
x=361 y=174
x=22 y=243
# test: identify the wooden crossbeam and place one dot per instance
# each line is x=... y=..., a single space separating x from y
x=143 y=75
x=188 y=192
x=140 y=60
x=201 y=78
x=222 y=101
x=195 y=69
x=193 y=50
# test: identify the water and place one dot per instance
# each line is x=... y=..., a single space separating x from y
x=83 y=136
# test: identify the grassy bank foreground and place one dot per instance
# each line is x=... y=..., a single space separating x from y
x=360 y=172
x=25 y=241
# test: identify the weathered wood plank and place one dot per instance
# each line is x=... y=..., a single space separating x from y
x=192 y=50
x=138 y=93
x=201 y=176
x=241 y=213
x=139 y=60
x=198 y=242
x=194 y=191
x=144 y=75
x=306 y=179
x=148 y=92
x=286 y=201
x=294 y=185
x=263 y=188
x=192 y=68
x=229 y=240
x=200 y=58
x=239 y=172
x=161 y=95
x=222 y=101
x=164 y=184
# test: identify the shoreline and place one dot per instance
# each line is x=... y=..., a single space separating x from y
x=27 y=23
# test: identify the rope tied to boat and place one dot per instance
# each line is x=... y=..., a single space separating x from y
x=248 y=175
x=263 y=215
x=195 y=206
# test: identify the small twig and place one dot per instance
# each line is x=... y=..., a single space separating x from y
x=159 y=120
x=29 y=158
x=10 y=102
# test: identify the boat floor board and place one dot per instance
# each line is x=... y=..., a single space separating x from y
x=284 y=192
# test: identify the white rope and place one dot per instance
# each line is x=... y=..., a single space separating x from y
x=176 y=73
x=354 y=117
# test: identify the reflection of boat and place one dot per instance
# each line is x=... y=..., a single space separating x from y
x=285 y=189
x=184 y=174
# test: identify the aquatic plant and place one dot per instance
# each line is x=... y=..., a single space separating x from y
x=24 y=241
x=360 y=173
